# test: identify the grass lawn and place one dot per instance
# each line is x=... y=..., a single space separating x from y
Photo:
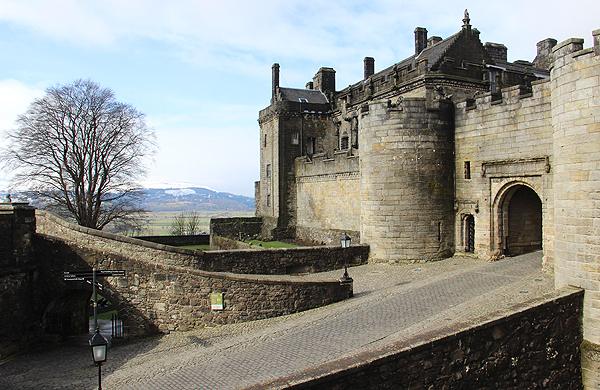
x=272 y=244
x=198 y=247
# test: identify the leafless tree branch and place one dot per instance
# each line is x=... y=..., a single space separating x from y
x=81 y=153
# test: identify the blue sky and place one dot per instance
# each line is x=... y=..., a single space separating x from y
x=201 y=71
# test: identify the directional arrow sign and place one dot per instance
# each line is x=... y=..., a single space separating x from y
x=89 y=275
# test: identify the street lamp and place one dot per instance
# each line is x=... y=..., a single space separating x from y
x=345 y=241
x=99 y=346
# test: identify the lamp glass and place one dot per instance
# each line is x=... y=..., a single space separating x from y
x=99 y=352
x=99 y=346
x=345 y=241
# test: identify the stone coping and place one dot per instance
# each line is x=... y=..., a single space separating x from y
x=250 y=278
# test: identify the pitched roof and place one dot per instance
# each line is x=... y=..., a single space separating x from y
x=307 y=95
x=433 y=53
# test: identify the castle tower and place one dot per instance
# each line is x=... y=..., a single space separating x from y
x=407 y=182
x=575 y=91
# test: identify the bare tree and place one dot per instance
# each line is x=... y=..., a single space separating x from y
x=193 y=223
x=185 y=224
x=80 y=153
x=178 y=225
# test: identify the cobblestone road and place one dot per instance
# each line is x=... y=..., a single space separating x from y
x=391 y=303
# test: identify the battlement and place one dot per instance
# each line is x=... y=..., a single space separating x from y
x=510 y=95
x=342 y=163
x=572 y=50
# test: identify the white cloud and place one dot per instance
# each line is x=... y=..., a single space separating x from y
x=15 y=97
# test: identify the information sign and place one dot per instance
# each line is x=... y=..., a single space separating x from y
x=216 y=301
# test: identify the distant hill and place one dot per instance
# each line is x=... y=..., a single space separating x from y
x=178 y=199
x=195 y=198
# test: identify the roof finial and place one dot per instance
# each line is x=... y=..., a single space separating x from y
x=466 y=20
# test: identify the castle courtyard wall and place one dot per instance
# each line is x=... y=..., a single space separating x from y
x=507 y=140
x=328 y=198
x=576 y=123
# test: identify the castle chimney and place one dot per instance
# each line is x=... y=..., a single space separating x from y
x=497 y=51
x=544 y=53
x=324 y=80
x=433 y=40
x=275 y=75
x=369 y=67
x=420 y=39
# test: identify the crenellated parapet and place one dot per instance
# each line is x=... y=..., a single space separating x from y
x=576 y=126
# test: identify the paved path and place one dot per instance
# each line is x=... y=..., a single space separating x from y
x=391 y=303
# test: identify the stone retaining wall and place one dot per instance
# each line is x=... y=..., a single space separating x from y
x=195 y=239
x=157 y=297
x=164 y=290
x=239 y=228
x=536 y=347
x=271 y=262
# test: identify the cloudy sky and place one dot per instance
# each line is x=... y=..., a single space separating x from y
x=201 y=70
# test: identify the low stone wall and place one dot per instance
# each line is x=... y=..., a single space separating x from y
x=536 y=347
x=154 y=297
x=269 y=262
x=196 y=239
x=166 y=290
x=281 y=261
x=239 y=228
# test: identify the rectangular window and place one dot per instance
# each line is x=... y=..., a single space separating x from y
x=295 y=139
x=310 y=146
x=268 y=200
x=268 y=170
x=265 y=141
x=467 y=169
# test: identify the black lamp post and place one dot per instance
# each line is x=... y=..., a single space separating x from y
x=345 y=241
x=99 y=346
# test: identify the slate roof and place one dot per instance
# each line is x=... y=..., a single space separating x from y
x=294 y=95
x=435 y=52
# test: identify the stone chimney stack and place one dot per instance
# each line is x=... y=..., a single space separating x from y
x=433 y=40
x=275 y=75
x=324 y=81
x=543 y=58
x=420 y=39
x=497 y=51
x=369 y=67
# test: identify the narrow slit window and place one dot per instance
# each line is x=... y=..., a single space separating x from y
x=467 y=169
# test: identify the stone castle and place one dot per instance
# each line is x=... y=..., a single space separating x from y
x=452 y=150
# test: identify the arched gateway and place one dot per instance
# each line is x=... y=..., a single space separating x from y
x=518 y=220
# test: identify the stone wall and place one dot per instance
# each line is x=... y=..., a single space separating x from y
x=537 y=347
x=267 y=261
x=166 y=289
x=237 y=228
x=281 y=261
x=195 y=239
x=506 y=140
x=328 y=197
x=20 y=320
x=156 y=297
x=406 y=179
x=576 y=125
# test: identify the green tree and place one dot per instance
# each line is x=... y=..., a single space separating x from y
x=80 y=153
